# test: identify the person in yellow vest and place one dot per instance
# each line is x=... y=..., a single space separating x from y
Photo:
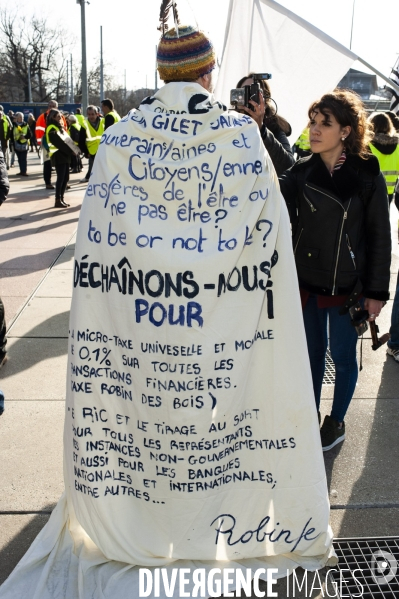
x=89 y=137
x=109 y=112
x=79 y=116
x=5 y=134
x=385 y=147
x=74 y=130
x=60 y=154
x=302 y=144
x=21 y=136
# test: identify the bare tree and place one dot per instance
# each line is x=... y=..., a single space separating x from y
x=93 y=80
x=123 y=101
x=137 y=96
x=31 y=43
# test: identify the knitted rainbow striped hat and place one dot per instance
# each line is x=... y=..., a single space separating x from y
x=184 y=58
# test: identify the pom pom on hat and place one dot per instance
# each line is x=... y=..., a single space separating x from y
x=184 y=57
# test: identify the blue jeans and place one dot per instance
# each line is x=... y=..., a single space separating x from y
x=394 y=330
x=22 y=161
x=1 y=402
x=343 y=338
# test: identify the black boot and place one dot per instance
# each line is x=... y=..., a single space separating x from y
x=59 y=203
x=65 y=204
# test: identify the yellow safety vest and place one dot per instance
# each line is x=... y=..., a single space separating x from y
x=115 y=115
x=93 y=137
x=389 y=165
x=80 y=118
x=20 y=132
x=5 y=125
x=303 y=140
x=51 y=147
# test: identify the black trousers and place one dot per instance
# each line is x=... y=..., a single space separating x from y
x=91 y=162
x=76 y=163
x=62 y=171
x=3 y=339
x=47 y=172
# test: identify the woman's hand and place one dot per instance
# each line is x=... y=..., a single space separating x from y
x=259 y=110
x=373 y=307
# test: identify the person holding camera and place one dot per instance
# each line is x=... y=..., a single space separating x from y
x=274 y=129
x=338 y=205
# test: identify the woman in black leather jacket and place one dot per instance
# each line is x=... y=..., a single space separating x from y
x=274 y=129
x=338 y=205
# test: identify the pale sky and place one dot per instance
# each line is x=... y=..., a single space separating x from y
x=130 y=29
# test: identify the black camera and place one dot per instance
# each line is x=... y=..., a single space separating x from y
x=359 y=318
x=242 y=95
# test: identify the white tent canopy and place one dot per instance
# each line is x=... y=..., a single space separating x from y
x=263 y=36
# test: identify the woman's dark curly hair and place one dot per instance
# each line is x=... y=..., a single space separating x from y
x=272 y=120
x=348 y=109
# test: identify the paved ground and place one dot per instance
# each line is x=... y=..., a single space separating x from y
x=37 y=244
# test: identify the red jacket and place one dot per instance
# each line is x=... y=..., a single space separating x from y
x=41 y=126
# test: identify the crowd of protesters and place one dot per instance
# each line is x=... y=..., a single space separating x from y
x=61 y=141
x=346 y=169
x=18 y=136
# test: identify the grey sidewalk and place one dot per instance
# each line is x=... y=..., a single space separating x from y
x=37 y=244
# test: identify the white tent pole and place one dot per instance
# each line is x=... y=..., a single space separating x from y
x=353 y=16
x=377 y=72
